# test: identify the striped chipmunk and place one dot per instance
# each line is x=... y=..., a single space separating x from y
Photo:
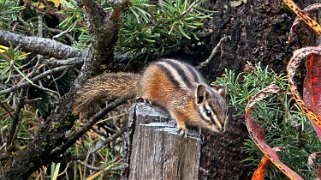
x=174 y=85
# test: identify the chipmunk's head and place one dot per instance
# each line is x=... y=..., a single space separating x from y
x=212 y=107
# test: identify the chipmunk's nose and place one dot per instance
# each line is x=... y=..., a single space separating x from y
x=221 y=130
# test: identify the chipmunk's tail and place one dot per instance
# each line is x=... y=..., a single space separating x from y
x=103 y=87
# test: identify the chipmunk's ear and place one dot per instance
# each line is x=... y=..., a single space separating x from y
x=201 y=93
x=220 y=89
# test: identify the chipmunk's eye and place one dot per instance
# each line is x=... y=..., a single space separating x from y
x=208 y=113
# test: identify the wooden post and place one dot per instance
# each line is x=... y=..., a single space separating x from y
x=155 y=151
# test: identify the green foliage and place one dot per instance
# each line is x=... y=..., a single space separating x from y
x=73 y=15
x=10 y=63
x=243 y=86
x=150 y=30
x=74 y=23
x=285 y=125
x=9 y=12
x=147 y=30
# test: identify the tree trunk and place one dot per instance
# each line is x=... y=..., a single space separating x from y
x=157 y=150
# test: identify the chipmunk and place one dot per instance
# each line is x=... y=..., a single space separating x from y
x=176 y=86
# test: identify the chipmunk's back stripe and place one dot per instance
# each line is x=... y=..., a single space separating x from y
x=173 y=74
x=168 y=74
x=179 y=67
x=195 y=74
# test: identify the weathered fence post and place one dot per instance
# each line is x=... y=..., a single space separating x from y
x=155 y=151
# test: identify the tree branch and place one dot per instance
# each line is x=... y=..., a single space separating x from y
x=108 y=140
x=43 y=46
x=214 y=52
x=103 y=28
x=15 y=123
x=36 y=78
x=69 y=61
x=92 y=121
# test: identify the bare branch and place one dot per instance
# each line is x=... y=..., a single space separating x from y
x=50 y=92
x=190 y=7
x=71 y=140
x=43 y=46
x=69 y=61
x=89 y=166
x=213 y=53
x=59 y=33
x=3 y=146
x=36 y=78
x=109 y=139
x=15 y=123
x=3 y=106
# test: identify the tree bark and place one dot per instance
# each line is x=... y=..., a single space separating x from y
x=155 y=150
x=258 y=31
x=43 y=46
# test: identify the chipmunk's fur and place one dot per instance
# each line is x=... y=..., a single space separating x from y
x=174 y=85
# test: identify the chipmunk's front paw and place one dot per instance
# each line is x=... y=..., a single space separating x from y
x=183 y=132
